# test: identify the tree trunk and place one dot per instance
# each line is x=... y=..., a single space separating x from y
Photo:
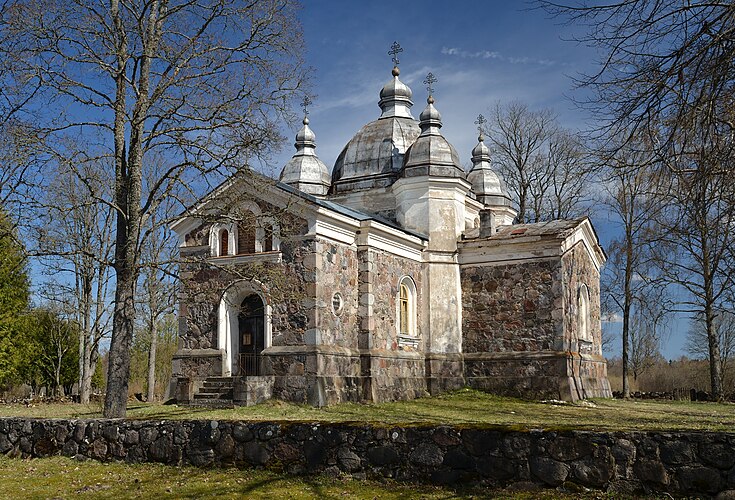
x=152 y=363
x=128 y=186
x=714 y=354
x=627 y=300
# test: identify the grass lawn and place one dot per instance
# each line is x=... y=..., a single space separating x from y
x=60 y=477
x=462 y=407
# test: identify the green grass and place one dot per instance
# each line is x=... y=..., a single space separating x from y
x=464 y=407
x=60 y=477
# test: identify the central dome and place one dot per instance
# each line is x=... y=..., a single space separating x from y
x=374 y=156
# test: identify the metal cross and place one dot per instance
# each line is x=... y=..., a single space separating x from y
x=305 y=104
x=395 y=49
x=430 y=78
x=480 y=122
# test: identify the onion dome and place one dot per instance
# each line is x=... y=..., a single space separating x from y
x=431 y=154
x=305 y=171
x=486 y=183
x=374 y=156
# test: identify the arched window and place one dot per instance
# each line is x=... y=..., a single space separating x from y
x=406 y=307
x=221 y=240
x=403 y=301
x=245 y=238
x=224 y=242
x=267 y=237
x=583 y=314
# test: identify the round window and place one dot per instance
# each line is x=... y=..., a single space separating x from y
x=337 y=303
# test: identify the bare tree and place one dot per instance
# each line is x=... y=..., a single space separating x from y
x=157 y=289
x=518 y=135
x=632 y=201
x=198 y=83
x=563 y=181
x=75 y=245
x=694 y=251
x=658 y=59
x=544 y=166
x=668 y=73
x=698 y=345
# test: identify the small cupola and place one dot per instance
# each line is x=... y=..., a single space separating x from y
x=487 y=184
x=431 y=154
x=305 y=171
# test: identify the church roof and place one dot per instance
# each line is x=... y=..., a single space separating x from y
x=431 y=153
x=555 y=228
x=374 y=156
x=305 y=170
x=349 y=212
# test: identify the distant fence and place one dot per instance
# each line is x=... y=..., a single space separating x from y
x=680 y=394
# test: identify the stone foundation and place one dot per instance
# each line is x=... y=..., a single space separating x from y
x=630 y=463
x=541 y=375
x=252 y=390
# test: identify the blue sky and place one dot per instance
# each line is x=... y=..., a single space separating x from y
x=480 y=51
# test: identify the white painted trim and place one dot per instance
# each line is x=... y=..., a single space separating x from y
x=229 y=309
x=274 y=256
x=412 y=308
x=214 y=239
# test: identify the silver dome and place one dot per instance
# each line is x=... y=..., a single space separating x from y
x=486 y=183
x=431 y=153
x=305 y=171
x=374 y=156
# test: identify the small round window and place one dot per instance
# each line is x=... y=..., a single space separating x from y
x=337 y=303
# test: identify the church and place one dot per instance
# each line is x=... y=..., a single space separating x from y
x=396 y=276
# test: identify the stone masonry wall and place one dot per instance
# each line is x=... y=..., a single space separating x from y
x=578 y=269
x=388 y=271
x=692 y=463
x=336 y=268
x=514 y=307
x=204 y=280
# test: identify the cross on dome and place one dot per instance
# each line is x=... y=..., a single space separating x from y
x=480 y=122
x=305 y=104
x=430 y=79
x=395 y=49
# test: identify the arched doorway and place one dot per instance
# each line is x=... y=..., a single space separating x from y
x=251 y=335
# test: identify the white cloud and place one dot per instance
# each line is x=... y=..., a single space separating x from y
x=612 y=318
x=493 y=54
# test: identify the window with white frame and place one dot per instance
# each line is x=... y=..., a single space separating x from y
x=269 y=234
x=406 y=305
x=583 y=314
x=221 y=240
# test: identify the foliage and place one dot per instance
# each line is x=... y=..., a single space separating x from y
x=52 y=357
x=14 y=296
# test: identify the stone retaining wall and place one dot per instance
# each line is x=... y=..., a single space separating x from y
x=631 y=462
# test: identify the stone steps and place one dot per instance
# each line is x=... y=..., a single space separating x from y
x=215 y=392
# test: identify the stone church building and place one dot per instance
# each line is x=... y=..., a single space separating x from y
x=397 y=275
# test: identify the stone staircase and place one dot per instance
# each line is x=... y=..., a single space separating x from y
x=215 y=391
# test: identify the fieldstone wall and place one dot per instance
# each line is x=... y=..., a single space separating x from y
x=387 y=271
x=577 y=269
x=390 y=369
x=336 y=272
x=690 y=463
x=515 y=307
